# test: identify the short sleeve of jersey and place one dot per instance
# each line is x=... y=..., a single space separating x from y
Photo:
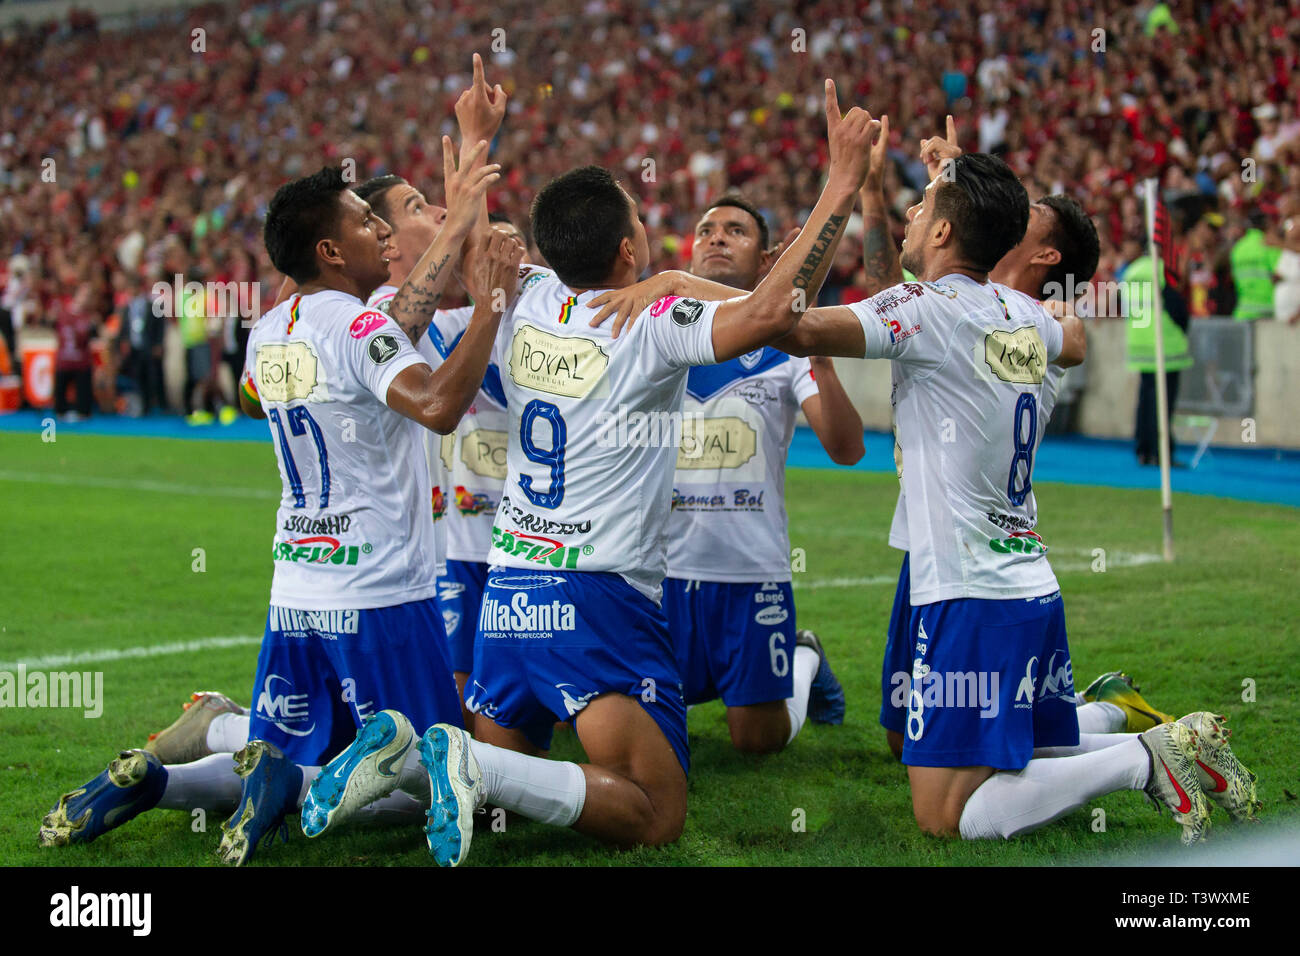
x=803 y=385
x=677 y=332
x=896 y=324
x=1053 y=335
x=377 y=351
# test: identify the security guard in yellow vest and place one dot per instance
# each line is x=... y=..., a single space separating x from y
x=1140 y=307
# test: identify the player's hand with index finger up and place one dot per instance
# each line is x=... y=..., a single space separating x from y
x=850 y=137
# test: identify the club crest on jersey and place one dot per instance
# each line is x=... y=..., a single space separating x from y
x=383 y=348
x=365 y=323
x=750 y=359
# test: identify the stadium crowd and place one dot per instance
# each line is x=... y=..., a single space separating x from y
x=134 y=156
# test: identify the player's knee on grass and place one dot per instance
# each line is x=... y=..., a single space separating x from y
x=759 y=728
x=895 y=741
x=939 y=795
x=636 y=787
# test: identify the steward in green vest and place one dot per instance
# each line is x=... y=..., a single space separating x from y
x=1140 y=305
x=1253 y=264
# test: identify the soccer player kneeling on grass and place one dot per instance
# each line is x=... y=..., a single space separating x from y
x=353 y=625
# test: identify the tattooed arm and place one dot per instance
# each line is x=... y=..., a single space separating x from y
x=879 y=254
x=790 y=287
x=413 y=306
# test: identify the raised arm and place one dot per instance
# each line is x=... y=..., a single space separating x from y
x=879 y=254
x=416 y=301
x=832 y=416
x=438 y=399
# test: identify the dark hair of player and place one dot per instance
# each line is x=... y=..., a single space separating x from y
x=740 y=202
x=578 y=221
x=374 y=192
x=301 y=213
x=987 y=206
x=1074 y=236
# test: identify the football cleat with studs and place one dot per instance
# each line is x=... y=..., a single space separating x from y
x=456 y=787
x=186 y=740
x=133 y=783
x=1173 y=783
x=1219 y=772
x=271 y=785
x=366 y=771
x=1117 y=688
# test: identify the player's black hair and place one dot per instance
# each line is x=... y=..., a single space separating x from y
x=987 y=206
x=500 y=217
x=1074 y=236
x=740 y=202
x=301 y=213
x=375 y=192
x=579 y=219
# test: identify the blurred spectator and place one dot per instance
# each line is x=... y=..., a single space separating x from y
x=1254 y=263
x=75 y=326
x=1139 y=296
x=142 y=346
x=1286 y=294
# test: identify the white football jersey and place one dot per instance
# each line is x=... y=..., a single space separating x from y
x=380 y=299
x=352 y=530
x=594 y=430
x=728 y=521
x=968 y=367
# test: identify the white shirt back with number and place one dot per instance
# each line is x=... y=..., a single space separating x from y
x=968 y=366
x=353 y=528
x=594 y=430
x=728 y=521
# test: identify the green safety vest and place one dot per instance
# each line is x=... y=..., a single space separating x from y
x=1139 y=302
x=1253 y=265
x=194 y=329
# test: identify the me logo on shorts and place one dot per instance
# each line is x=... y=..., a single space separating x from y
x=476 y=706
x=284 y=709
x=1057 y=683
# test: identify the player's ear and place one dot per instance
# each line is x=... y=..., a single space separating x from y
x=1046 y=257
x=627 y=251
x=940 y=233
x=329 y=253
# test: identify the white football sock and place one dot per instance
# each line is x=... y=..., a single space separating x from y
x=549 y=791
x=397 y=807
x=227 y=733
x=412 y=778
x=806 y=662
x=1014 y=802
x=210 y=783
x=1086 y=745
x=1100 y=717
x=308 y=775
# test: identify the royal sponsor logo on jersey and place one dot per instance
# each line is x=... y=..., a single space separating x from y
x=1019 y=542
x=470 y=504
x=1057 y=682
x=288 y=711
x=713 y=443
x=286 y=371
x=365 y=323
x=322 y=524
x=1019 y=356
x=318 y=549
x=570 y=367
x=539 y=549
x=483 y=451
x=738 y=499
x=521 y=616
x=286 y=619
x=527 y=521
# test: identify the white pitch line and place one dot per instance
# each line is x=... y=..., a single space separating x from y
x=53 y=661
x=137 y=485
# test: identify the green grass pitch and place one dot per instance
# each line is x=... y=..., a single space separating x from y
x=99 y=553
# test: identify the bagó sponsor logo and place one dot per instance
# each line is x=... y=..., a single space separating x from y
x=520 y=614
x=771 y=615
x=320 y=549
x=1020 y=542
x=532 y=547
x=284 y=709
